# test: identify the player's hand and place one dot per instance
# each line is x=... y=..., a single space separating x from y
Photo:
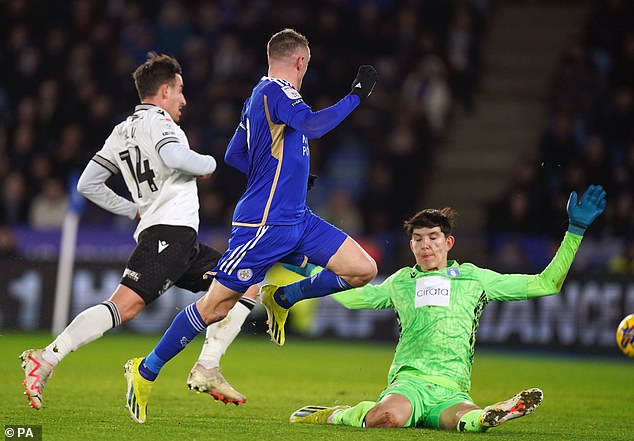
x=364 y=83
x=583 y=212
x=207 y=176
x=311 y=180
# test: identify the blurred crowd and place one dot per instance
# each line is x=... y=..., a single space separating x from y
x=589 y=139
x=66 y=81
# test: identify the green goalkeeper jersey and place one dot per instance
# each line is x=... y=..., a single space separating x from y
x=439 y=311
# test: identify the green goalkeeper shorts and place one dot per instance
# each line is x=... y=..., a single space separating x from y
x=428 y=399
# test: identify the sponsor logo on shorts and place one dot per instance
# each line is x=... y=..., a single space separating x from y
x=245 y=274
x=131 y=274
x=162 y=245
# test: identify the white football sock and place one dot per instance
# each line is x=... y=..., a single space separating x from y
x=89 y=325
x=220 y=334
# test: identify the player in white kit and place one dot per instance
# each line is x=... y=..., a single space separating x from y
x=152 y=154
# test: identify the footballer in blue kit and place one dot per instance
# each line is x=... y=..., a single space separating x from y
x=271 y=222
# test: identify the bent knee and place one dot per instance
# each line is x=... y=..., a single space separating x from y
x=371 y=270
x=386 y=418
x=365 y=272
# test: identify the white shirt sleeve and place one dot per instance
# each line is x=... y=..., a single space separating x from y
x=92 y=185
x=180 y=157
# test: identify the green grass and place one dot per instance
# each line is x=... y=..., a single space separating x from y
x=584 y=399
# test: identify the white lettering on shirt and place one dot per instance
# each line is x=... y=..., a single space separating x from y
x=432 y=291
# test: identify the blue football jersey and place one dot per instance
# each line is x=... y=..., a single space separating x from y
x=278 y=157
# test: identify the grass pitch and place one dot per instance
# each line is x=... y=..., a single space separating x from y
x=584 y=399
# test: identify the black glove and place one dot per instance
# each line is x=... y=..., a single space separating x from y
x=311 y=180
x=364 y=82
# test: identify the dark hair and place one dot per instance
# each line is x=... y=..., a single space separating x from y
x=156 y=71
x=285 y=43
x=431 y=217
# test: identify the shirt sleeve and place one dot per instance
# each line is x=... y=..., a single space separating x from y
x=237 y=154
x=552 y=278
x=92 y=185
x=184 y=159
x=367 y=296
x=505 y=287
x=291 y=109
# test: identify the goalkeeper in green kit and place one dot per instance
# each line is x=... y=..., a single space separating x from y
x=439 y=303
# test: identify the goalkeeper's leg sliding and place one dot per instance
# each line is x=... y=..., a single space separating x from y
x=477 y=420
x=520 y=405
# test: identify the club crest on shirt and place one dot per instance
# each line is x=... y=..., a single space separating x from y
x=453 y=272
x=245 y=274
x=291 y=92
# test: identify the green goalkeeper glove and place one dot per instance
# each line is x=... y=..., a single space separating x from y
x=581 y=214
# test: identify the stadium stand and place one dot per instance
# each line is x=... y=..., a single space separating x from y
x=66 y=80
x=588 y=138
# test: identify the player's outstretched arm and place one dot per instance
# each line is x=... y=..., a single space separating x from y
x=581 y=213
x=316 y=124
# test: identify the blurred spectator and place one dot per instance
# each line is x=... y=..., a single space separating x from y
x=342 y=213
x=511 y=257
x=426 y=92
x=15 y=202
x=558 y=145
x=623 y=264
x=65 y=62
x=8 y=248
x=590 y=136
x=622 y=214
x=49 y=206
x=461 y=53
x=515 y=213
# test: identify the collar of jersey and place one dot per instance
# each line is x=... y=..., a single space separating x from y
x=450 y=264
x=144 y=106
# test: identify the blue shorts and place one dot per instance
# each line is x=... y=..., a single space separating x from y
x=253 y=250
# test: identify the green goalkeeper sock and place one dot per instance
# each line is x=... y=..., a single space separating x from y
x=469 y=422
x=354 y=416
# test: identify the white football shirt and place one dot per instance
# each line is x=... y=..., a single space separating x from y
x=163 y=195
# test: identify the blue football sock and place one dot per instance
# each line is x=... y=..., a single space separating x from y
x=186 y=325
x=304 y=272
x=319 y=285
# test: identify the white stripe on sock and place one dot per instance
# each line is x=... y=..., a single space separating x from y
x=196 y=323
